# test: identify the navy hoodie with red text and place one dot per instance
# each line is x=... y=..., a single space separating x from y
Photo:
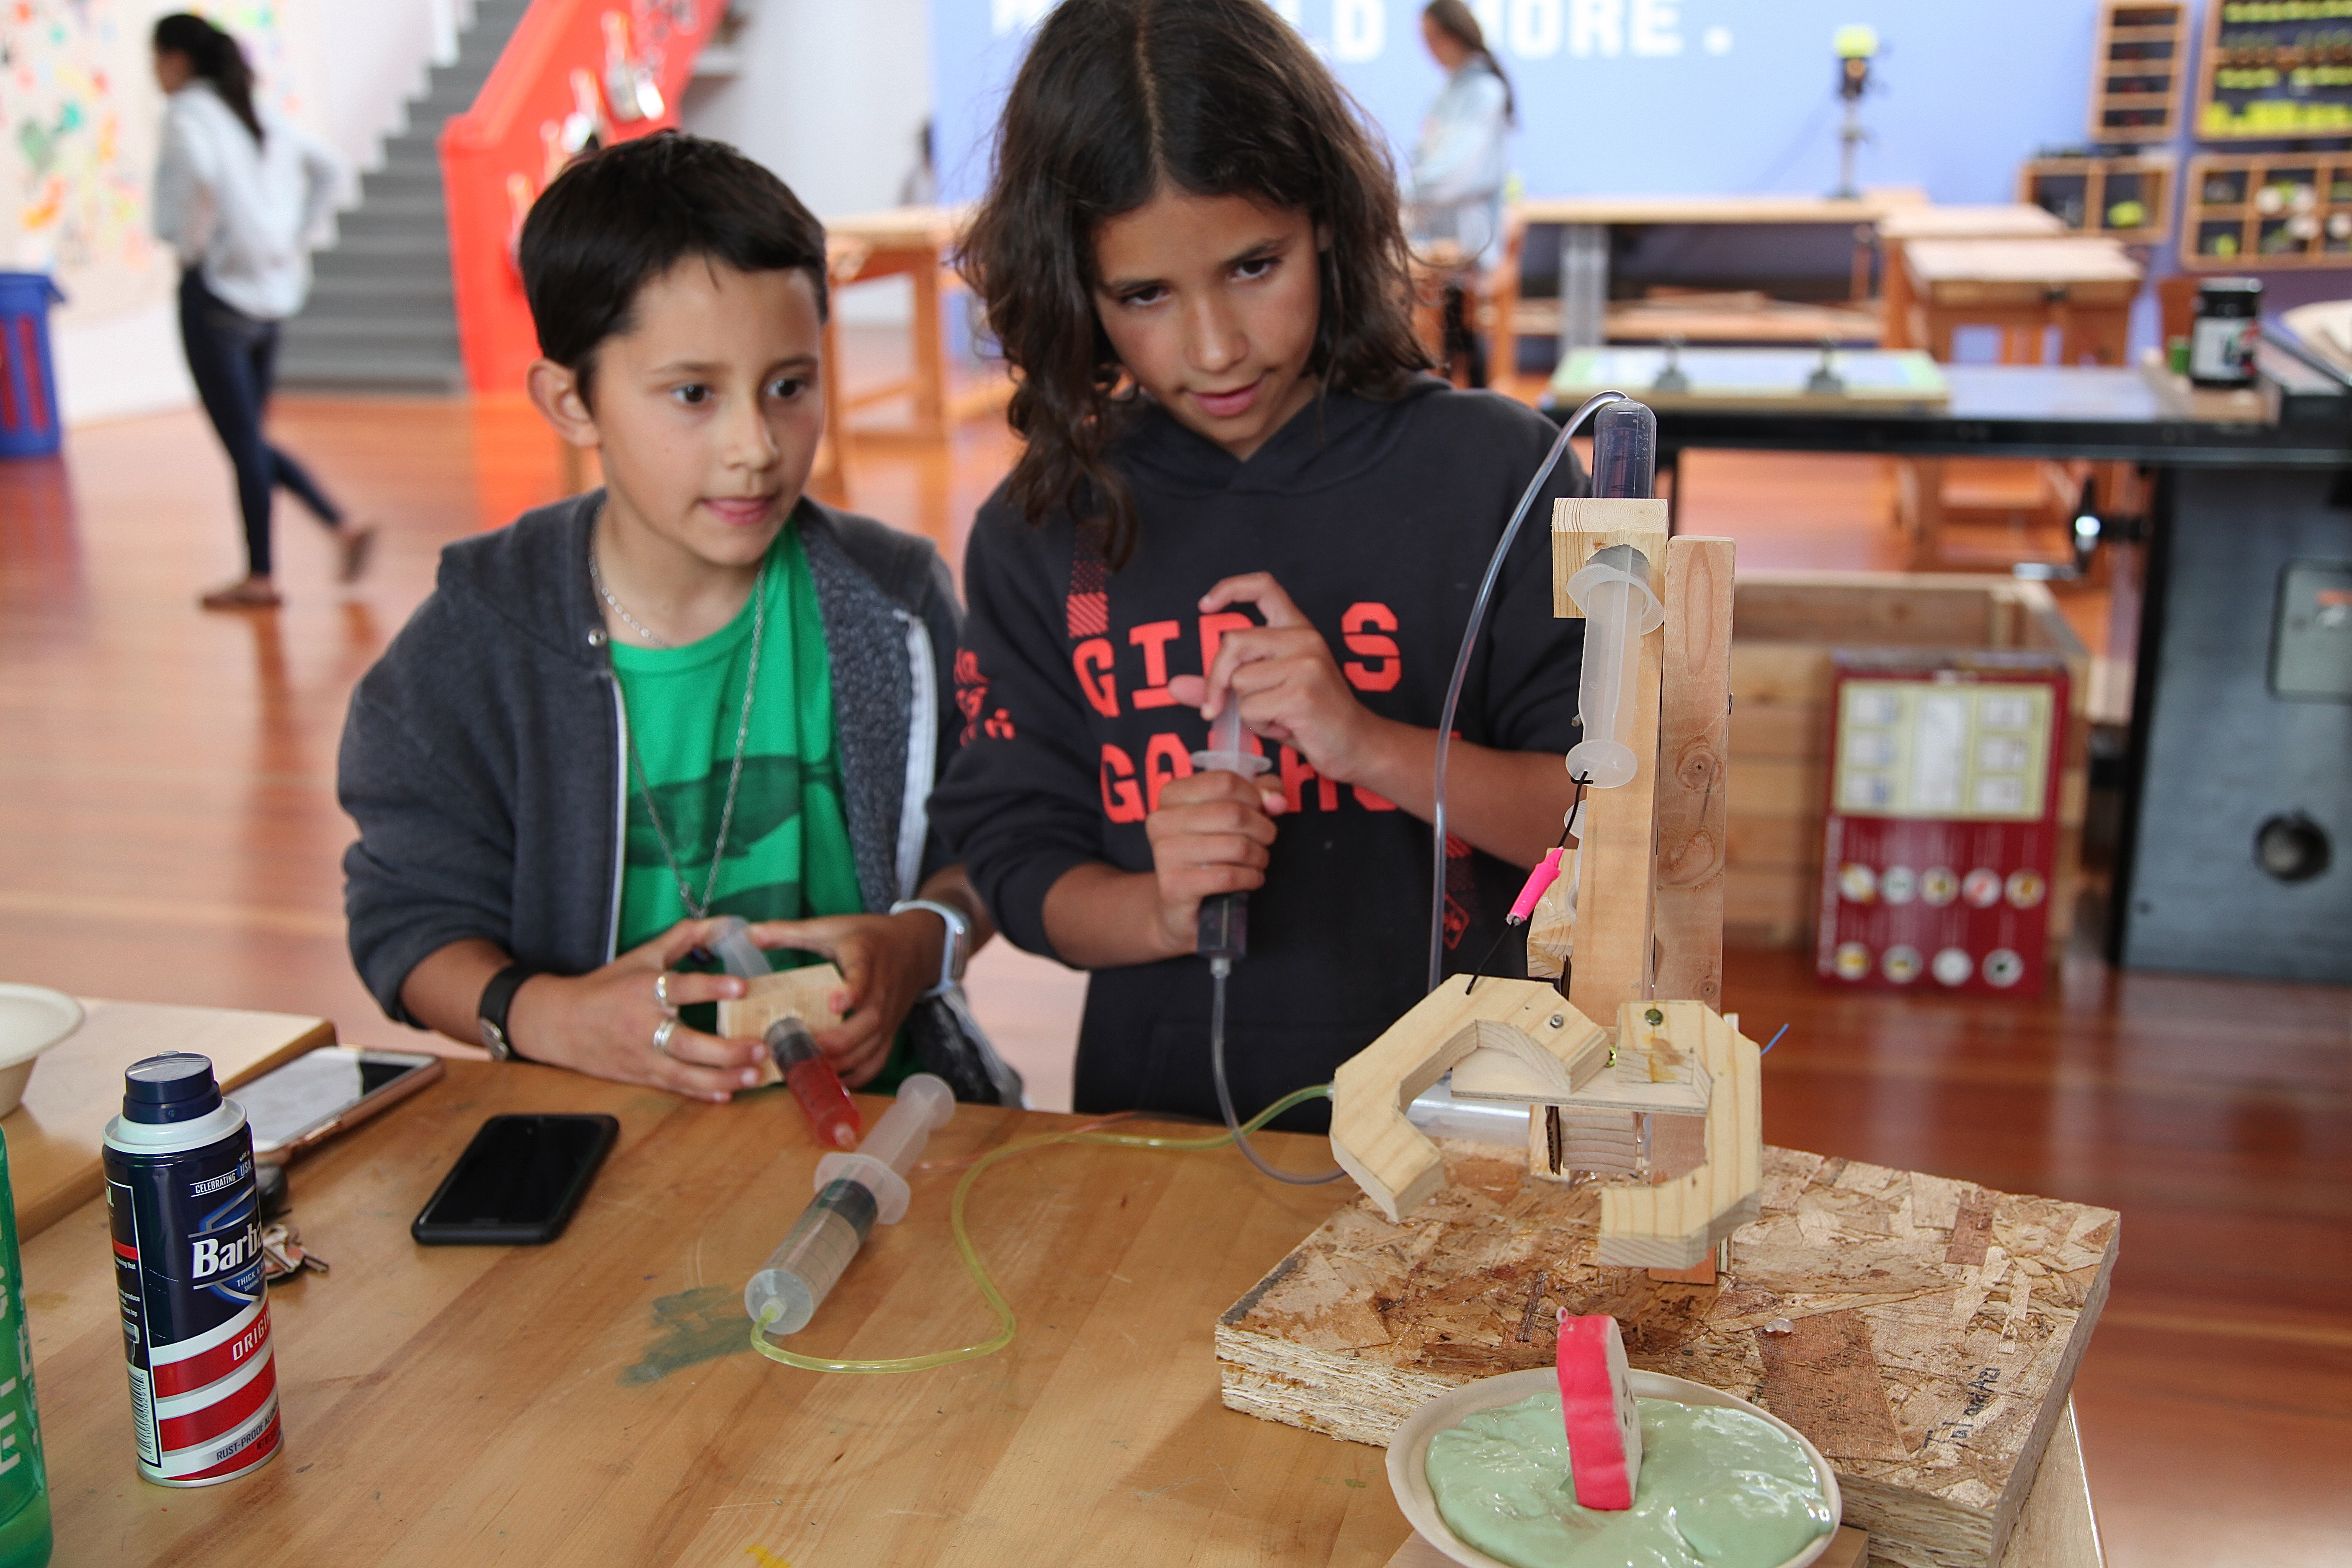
x=1377 y=519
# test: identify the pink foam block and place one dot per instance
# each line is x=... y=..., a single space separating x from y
x=1604 y=1429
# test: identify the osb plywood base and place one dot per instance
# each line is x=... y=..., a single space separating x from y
x=1923 y=1332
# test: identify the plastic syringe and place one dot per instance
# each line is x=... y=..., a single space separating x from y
x=1222 y=934
x=853 y=1190
x=1620 y=605
x=832 y=1114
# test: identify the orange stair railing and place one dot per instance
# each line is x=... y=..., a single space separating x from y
x=577 y=74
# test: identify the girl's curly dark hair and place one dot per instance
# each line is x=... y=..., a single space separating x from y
x=1117 y=101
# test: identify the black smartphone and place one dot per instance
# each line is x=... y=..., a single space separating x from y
x=517 y=1181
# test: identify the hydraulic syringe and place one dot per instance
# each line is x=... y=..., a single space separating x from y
x=853 y=1190
x=832 y=1114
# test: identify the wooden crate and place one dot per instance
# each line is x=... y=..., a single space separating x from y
x=1785 y=626
x=2139 y=71
x=2242 y=210
x=2087 y=195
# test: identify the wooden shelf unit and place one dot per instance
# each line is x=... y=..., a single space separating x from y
x=2223 y=204
x=2139 y=71
x=2274 y=72
x=2084 y=194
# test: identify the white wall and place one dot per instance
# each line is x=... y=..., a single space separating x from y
x=832 y=96
x=362 y=61
x=342 y=69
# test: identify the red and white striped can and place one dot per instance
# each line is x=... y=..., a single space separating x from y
x=186 y=1213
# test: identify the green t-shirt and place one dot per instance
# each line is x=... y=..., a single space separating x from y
x=788 y=852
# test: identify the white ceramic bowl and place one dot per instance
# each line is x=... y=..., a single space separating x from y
x=1409 y=1450
x=32 y=1019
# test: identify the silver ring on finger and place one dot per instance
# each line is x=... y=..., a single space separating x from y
x=662 y=1032
x=661 y=994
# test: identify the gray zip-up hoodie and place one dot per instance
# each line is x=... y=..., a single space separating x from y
x=483 y=755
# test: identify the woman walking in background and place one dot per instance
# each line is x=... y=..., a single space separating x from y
x=1458 y=166
x=239 y=193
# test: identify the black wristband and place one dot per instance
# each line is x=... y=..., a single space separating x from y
x=491 y=1014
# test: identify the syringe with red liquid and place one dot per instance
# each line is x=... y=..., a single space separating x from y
x=832 y=1114
x=830 y=1110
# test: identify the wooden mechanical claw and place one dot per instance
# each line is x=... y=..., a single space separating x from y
x=1664 y=1104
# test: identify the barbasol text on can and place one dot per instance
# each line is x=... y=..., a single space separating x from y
x=185 y=1212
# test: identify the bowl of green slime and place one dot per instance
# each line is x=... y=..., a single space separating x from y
x=1408 y=1453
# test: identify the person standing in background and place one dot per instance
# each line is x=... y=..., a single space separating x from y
x=239 y=193
x=1458 y=166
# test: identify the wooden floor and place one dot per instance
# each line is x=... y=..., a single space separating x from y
x=168 y=832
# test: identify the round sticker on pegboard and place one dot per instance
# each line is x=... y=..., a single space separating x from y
x=1938 y=887
x=2026 y=888
x=1853 y=961
x=1953 y=966
x=1858 y=882
x=1981 y=887
x=1898 y=884
x=2003 y=968
x=1901 y=963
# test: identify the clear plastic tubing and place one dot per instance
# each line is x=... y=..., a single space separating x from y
x=1614 y=592
x=853 y=1190
x=831 y=1113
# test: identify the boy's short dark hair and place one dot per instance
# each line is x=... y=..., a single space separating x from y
x=625 y=216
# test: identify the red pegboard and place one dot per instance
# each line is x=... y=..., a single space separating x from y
x=1942 y=828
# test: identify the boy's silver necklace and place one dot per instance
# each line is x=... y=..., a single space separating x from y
x=699 y=908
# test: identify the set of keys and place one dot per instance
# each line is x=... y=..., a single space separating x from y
x=283 y=1255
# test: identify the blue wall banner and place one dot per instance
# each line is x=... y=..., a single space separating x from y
x=1657 y=97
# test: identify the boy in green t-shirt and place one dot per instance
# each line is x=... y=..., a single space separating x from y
x=695 y=693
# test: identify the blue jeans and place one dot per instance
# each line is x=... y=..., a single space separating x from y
x=231 y=356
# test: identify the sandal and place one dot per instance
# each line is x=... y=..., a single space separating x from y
x=358 y=543
x=244 y=594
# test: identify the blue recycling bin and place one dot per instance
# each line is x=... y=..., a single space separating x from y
x=28 y=390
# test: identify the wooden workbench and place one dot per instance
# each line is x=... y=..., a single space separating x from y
x=55 y=1136
x=593 y=1401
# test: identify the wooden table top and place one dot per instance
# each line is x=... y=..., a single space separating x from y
x=2069 y=258
x=902 y=228
x=1867 y=209
x=595 y=1400
x=55 y=1136
x=1989 y=221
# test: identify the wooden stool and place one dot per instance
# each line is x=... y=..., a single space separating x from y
x=1896 y=229
x=2024 y=286
x=2082 y=286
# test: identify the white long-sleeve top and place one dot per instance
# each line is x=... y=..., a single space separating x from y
x=247 y=215
x=1458 y=166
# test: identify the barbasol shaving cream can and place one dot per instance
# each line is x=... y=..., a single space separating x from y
x=185 y=1212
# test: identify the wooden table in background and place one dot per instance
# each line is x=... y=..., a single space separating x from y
x=55 y=1136
x=594 y=1401
x=916 y=243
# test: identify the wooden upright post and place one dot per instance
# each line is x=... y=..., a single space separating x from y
x=1693 y=751
x=1614 y=895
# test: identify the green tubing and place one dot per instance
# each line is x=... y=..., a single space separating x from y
x=971 y=1253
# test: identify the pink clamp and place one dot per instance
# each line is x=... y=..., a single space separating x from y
x=1540 y=883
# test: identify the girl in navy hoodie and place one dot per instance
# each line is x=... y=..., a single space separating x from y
x=1238 y=485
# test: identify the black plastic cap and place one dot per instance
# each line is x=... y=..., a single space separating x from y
x=174 y=1086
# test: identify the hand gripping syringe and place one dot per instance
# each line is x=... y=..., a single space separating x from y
x=853 y=1190
x=832 y=1114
